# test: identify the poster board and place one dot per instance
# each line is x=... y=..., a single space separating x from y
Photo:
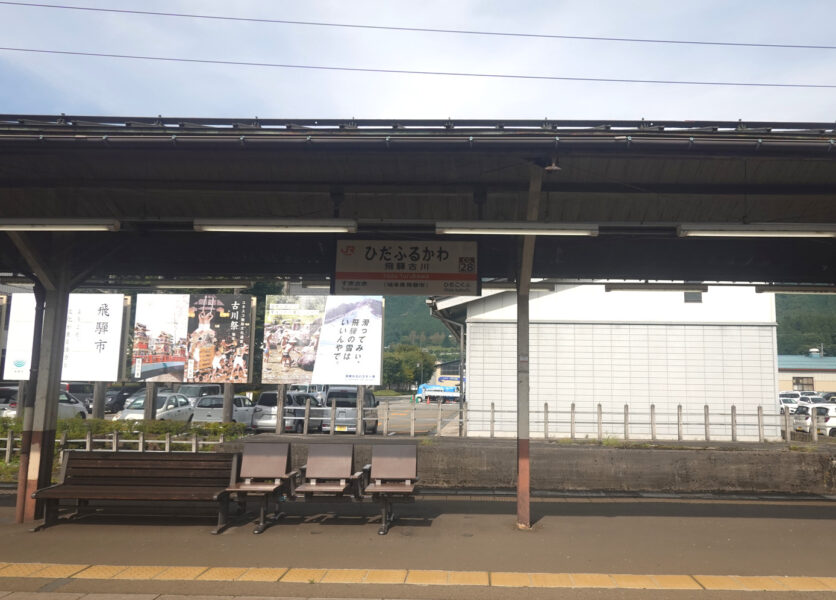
x=193 y=338
x=292 y=328
x=92 y=338
x=351 y=342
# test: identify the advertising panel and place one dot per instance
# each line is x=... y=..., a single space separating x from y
x=406 y=268
x=292 y=328
x=220 y=334
x=92 y=339
x=160 y=330
x=351 y=342
x=92 y=344
x=197 y=338
x=19 y=340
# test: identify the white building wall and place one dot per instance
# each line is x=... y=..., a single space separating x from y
x=613 y=364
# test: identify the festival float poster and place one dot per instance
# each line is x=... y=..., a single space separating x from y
x=220 y=338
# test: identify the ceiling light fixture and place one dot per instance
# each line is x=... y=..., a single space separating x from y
x=655 y=287
x=514 y=228
x=59 y=225
x=796 y=230
x=796 y=289
x=276 y=225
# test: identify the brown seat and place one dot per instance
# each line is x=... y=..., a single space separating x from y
x=265 y=471
x=392 y=473
x=329 y=472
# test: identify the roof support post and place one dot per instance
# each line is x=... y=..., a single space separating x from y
x=523 y=290
x=26 y=405
x=229 y=392
x=45 y=413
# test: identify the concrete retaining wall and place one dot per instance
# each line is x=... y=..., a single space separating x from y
x=557 y=467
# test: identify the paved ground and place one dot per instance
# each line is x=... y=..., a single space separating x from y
x=440 y=548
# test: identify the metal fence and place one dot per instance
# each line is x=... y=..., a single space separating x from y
x=649 y=424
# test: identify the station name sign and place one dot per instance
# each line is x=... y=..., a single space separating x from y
x=406 y=268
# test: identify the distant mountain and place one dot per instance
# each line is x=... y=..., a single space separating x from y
x=408 y=321
x=806 y=321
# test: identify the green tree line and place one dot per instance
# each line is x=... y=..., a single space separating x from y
x=806 y=321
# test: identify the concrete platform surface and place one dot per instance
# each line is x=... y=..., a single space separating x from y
x=439 y=548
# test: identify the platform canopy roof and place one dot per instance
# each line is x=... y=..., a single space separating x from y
x=635 y=181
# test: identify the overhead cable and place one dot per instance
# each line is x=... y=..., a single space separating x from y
x=588 y=38
x=418 y=72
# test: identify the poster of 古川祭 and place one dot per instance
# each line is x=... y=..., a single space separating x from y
x=193 y=338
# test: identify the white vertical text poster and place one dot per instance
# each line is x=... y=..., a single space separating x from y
x=19 y=341
x=93 y=337
x=350 y=346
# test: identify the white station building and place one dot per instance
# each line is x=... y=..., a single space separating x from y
x=626 y=351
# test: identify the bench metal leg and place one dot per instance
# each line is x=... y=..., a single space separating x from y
x=223 y=514
x=50 y=514
x=386 y=517
x=262 y=514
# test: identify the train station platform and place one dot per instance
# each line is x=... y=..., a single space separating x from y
x=440 y=547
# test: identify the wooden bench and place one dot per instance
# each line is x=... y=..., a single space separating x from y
x=265 y=471
x=329 y=473
x=392 y=475
x=139 y=477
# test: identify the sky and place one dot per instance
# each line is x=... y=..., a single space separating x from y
x=47 y=84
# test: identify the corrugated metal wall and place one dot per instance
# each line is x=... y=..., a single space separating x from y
x=618 y=364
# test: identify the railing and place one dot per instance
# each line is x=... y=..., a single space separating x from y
x=114 y=442
x=631 y=424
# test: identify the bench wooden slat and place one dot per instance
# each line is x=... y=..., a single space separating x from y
x=128 y=492
x=218 y=472
x=150 y=481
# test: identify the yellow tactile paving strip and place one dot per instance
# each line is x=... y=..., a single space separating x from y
x=422 y=577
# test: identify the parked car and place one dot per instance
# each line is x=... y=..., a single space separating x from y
x=294 y=412
x=193 y=391
x=787 y=403
x=801 y=419
x=8 y=395
x=69 y=407
x=317 y=390
x=170 y=407
x=81 y=391
x=209 y=409
x=264 y=417
x=826 y=420
x=115 y=400
x=810 y=398
x=346 y=405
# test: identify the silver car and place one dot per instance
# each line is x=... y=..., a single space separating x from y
x=801 y=420
x=209 y=409
x=345 y=419
x=264 y=417
x=69 y=407
x=170 y=407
